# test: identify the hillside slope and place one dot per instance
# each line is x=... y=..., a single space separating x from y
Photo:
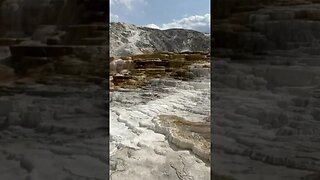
x=128 y=39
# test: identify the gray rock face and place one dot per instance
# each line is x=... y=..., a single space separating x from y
x=128 y=39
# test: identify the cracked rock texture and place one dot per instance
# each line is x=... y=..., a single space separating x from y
x=141 y=146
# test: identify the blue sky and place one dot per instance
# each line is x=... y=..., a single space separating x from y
x=163 y=14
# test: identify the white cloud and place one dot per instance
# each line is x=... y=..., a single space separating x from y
x=114 y=18
x=197 y=22
x=129 y=4
x=152 y=26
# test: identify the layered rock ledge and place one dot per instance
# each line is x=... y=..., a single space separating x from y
x=186 y=134
x=138 y=70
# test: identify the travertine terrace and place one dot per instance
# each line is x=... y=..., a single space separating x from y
x=266 y=89
x=159 y=116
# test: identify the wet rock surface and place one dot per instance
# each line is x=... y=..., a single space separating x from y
x=186 y=134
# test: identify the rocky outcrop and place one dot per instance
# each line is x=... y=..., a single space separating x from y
x=128 y=39
x=137 y=70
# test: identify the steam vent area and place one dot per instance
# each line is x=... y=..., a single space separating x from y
x=53 y=121
x=159 y=106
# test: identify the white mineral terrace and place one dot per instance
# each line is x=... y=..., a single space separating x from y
x=137 y=150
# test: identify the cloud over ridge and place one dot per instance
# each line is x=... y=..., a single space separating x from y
x=197 y=22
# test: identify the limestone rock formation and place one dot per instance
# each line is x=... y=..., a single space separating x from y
x=158 y=130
